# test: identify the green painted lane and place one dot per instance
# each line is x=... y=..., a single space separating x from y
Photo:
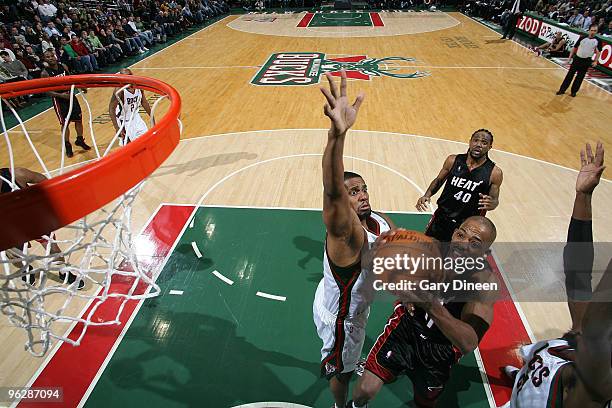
x=220 y=345
x=341 y=20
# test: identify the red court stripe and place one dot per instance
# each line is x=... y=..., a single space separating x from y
x=305 y=20
x=504 y=336
x=74 y=368
x=376 y=20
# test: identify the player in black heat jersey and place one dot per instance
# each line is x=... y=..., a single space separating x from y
x=472 y=187
x=61 y=103
x=425 y=340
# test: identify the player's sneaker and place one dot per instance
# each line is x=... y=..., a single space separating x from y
x=81 y=143
x=71 y=279
x=510 y=371
x=29 y=277
x=68 y=149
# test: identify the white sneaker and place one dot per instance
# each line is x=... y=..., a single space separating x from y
x=510 y=371
x=141 y=51
x=145 y=48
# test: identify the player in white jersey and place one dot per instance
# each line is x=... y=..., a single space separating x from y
x=124 y=109
x=342 y=300
x=574 y=371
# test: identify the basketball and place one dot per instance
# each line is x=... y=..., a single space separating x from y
x=406 y=262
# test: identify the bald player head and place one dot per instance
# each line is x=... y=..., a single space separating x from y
x=473 y=237
x=126 y=71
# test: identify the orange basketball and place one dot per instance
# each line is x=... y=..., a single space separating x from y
x=405 y=262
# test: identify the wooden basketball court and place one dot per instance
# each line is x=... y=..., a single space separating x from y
x=244 y=185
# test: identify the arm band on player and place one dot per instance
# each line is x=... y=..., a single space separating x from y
x=479 y=325
x=578 y=257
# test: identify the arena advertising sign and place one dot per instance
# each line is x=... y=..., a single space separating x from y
x=307 y=68
x=546 y=32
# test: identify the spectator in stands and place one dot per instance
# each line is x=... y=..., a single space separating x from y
x=163 y=21
x=565 y=7
x=51 y=30
x=13 y=67
x=101 y=54
x=601 y=25
x=576 y=19
x=33 y=70
x=5 y=47
x=31 y=27
x=608 y=30
x=88 y=60
x=131 y=33
x=66 y=20
x=129 y=42
x=145 y=35
x=68 y=56
x=67 y=32
x=46 y=11
x=553 y=12
x=32 y=37
x=28 y=9
x=587 y=20
x=159 y=32
x=34 y=64
x=17 y=36
x=555 y=48
x=110 y=43
x=111 y=54
x=46 y=43
x=198 y=12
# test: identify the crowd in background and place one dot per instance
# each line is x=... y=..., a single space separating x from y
x=579 y=14
x=89 y=36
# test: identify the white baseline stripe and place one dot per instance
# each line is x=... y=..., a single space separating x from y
x=269 y=296
x=223 y=277
x=175 y=292
x=485 y=378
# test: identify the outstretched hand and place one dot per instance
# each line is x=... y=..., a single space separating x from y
x=591 y=168
x=338 y=109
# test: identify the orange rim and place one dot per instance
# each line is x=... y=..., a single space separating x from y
x=38 y=210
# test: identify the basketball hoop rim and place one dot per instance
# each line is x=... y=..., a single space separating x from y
x=42 y=208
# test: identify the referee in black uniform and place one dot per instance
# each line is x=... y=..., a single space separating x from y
x=582 y=55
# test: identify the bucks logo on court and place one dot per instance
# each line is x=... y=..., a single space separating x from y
x=306 y=68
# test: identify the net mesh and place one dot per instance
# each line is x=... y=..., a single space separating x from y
x=66 y=276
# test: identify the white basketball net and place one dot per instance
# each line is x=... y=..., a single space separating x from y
x=98 y=250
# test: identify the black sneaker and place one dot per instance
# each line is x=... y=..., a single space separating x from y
x=29 y=277
x=573 y=94
x=71 y=279
x=68 y=149
x=560 y=93
x=81 y=143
